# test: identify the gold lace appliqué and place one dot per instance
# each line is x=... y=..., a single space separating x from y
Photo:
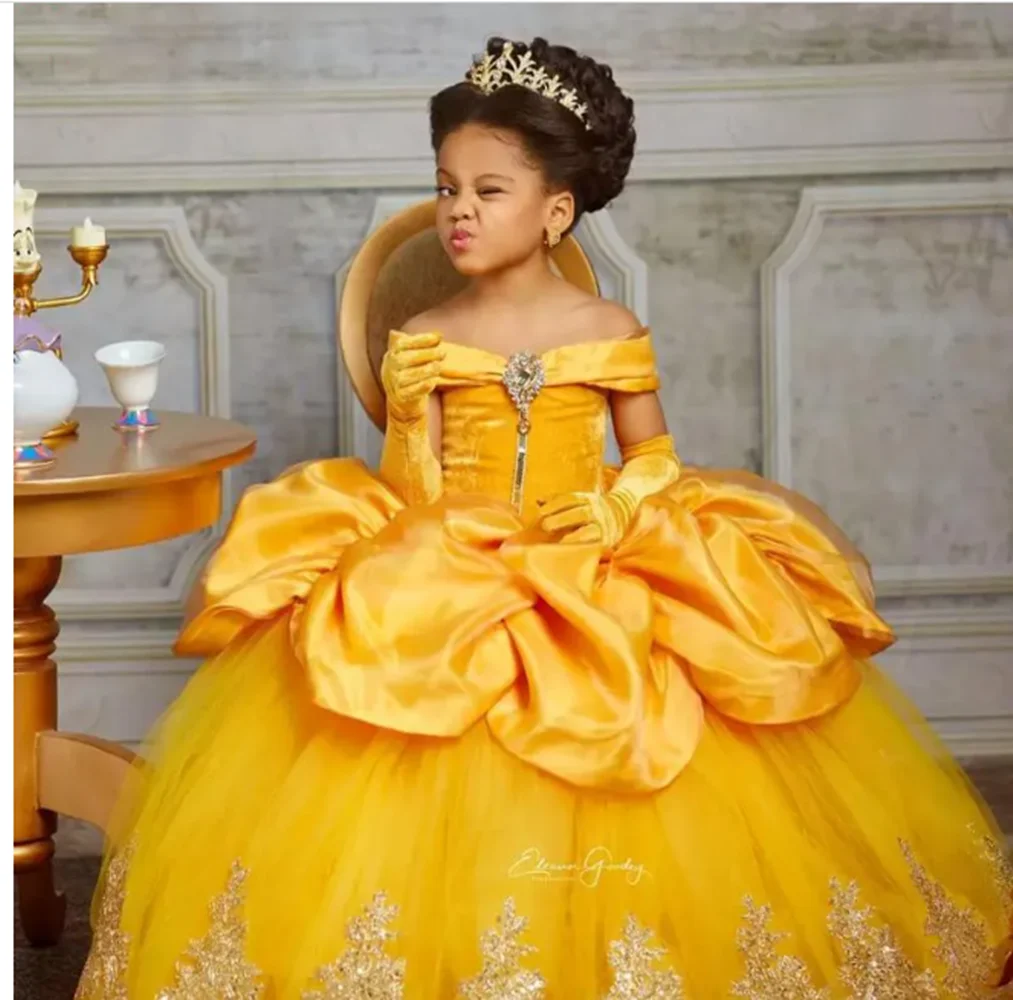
x=632 y=959
x=1002 y=868
x=769 y=975
x=874 y=965
x=502 y=976
x=963 y=948
x=364 y=971
x=105 y=971
x=216 y=965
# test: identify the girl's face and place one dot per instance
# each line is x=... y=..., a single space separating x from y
x=492 y=209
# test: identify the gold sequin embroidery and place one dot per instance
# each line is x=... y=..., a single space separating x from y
x=770 y=976
x=633 y=962
x=963 y=948
x=215 y=965
x=502 y=976
x=364 y=971
x=874 y=965
x=105 y=971
x=1002 y=868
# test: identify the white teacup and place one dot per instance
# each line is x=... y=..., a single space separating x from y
x=131 y=368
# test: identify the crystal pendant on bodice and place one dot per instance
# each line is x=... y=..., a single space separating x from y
x=523 y=377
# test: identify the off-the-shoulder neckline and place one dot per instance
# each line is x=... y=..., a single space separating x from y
x=639 y=334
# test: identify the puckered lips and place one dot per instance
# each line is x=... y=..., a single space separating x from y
x=461 y=239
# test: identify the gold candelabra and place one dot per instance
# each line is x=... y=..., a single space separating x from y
x=25 y=303
x=88 y=258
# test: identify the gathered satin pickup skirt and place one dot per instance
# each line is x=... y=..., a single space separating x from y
x=432 y=754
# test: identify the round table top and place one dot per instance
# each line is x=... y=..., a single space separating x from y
x=102 y=459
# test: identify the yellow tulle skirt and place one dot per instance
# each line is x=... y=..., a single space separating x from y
x=431 y=755
x=261 y=826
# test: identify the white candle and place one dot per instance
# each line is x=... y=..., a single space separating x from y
x=88 y=235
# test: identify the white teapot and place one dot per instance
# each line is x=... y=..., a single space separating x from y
x=45 y=394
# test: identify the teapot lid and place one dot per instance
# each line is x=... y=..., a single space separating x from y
x=31 y=334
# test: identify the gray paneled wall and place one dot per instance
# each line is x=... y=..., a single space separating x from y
x=142 y=43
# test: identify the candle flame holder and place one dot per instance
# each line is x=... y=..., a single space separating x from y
x=87 y=258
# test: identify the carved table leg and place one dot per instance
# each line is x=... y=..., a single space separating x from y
x=35 y=630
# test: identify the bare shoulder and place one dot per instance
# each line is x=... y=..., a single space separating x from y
x=450 y=318
x=430 y=321
x=609 y=320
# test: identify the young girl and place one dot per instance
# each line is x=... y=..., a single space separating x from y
x=502 y=722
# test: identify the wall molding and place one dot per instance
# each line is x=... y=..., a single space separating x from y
x=816 y=205
x=111 y=651
x=986 y=628
x=45 y=40
x=751 y=122
x=167 y=224
x=986 y=736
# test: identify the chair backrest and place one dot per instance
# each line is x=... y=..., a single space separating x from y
x=400 y=270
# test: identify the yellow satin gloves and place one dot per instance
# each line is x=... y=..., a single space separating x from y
x=409 y=372
x=648 y=467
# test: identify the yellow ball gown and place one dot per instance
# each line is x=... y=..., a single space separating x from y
x=433 y=753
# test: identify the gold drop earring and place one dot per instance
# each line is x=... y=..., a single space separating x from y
x=552 y=239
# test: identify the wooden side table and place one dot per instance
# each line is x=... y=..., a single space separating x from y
x=107 y=490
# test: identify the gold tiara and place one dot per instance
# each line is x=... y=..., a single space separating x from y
x=490 y=74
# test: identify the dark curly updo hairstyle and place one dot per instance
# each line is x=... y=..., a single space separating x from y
x=591 y=163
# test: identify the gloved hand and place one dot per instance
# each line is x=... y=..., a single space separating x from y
x=409 y=373
x=587 y=517
x=648 y=467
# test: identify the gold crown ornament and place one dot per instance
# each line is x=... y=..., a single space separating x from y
x=491 y=74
